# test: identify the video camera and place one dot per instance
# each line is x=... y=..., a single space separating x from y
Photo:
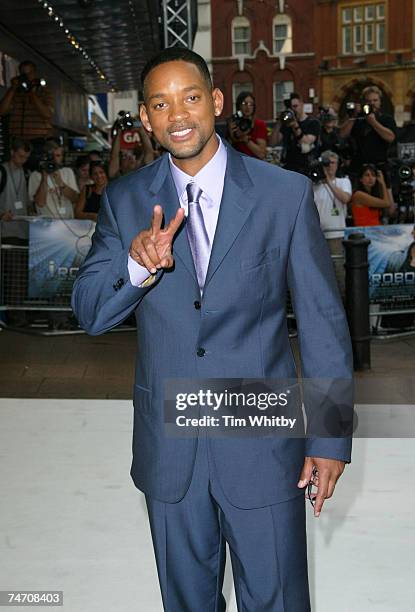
x=25 y=84
x=315 y=170
x=325 y=114
x=244 y=124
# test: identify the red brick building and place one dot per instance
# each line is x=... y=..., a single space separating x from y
x=365 y=42
x=331 y=47
x=265 y=46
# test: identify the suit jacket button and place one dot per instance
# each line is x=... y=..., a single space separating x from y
x=201 y=352
x=197 y=305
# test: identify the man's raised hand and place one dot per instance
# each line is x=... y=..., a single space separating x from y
x=151 y=248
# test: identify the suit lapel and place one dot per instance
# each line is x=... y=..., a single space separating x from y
x=237 y=202
x=164 y=188
x=236 y=206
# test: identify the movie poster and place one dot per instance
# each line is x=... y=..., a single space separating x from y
x=391 y=263
x=57 y=248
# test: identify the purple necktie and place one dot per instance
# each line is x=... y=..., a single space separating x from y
x=197 y=234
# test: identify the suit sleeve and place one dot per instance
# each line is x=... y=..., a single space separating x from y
x=325 y=347
x=103 y=295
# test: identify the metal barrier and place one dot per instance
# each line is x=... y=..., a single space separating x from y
x=25 y=313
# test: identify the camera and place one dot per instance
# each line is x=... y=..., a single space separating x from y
x=126 y=122
x=287 y=116
x=405 y=196
x=316 y=170
x=244 y=124
x=367 y=109
x=26 y=84
x=48 y=164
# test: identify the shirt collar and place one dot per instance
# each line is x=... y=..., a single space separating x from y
x=210 y=178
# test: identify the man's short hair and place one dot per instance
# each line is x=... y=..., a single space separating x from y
x=20 y=143
x=51 y=145
x=27 y=62
x=372 y=89
x=173 y=54
x=326 y=156
x=296 y=96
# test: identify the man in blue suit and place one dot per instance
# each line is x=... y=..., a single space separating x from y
x=202 y=246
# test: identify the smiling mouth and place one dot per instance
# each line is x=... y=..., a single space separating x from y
x=181 y=133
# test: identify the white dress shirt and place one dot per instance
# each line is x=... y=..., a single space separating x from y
x=210 y=179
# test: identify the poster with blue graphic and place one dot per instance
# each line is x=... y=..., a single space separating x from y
x=57 y=248
x=391 y=263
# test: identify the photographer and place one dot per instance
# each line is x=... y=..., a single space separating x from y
x=332 y=196
x=371 y=130
x=246 y=133
x=329 y=135
x=53 y=187
x=29 y=102
x=124 y=161
x=299 y=135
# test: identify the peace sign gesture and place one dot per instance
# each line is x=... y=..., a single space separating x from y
x=151 y=248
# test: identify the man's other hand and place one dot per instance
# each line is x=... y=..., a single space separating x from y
x=151 y=248
x=328 y=473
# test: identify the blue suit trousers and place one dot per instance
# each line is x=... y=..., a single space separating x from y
x=267 y=547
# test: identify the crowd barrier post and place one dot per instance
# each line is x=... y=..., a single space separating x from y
x=357 y=298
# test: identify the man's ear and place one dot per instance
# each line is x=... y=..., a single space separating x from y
x=217 y=96
x=144 y=118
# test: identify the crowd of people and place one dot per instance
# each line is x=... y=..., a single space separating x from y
x=347 y=160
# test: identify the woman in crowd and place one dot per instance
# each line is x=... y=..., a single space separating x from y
x=87 y=206
x=370 y=197
x=82 y=172
x=252 y=140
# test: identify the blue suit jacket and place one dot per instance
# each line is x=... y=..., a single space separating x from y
x=267 y=239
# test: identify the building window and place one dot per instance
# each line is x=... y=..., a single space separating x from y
x=282 y=34
x=282 y=91
x=363 y=28
x=237 y=88
x=241 y=36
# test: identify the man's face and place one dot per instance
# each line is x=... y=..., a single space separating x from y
x=374 y=100
x=57 y=155
x=297 y=106
x=20 y=157
x=29 y=70
x=180 y=109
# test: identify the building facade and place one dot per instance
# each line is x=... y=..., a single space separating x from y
x=263 y=46
x=326 y=50
x=366 y=42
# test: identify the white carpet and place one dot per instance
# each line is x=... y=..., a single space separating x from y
x=72 y=520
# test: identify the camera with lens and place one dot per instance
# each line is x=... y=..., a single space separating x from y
x=48 y=164
x=244 y=124
x=125 y=121
x=287 y=116
x=405 y=193
x=316 y=169
x=26 y=84
x=367 y=109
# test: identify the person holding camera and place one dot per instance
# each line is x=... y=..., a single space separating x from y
x=332 y=196
x=53 y=187
x=247 y=134
x=124 y=161
x=371 y=130
x=299 y=134
x=370 y=197
x=29 y=103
